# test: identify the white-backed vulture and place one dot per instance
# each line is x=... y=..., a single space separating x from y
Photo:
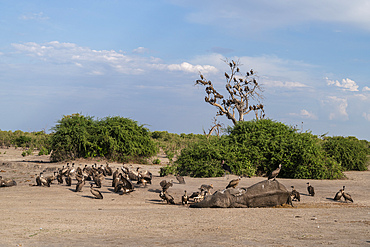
x=275 y=173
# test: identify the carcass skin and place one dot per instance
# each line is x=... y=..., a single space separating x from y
x=266 y=193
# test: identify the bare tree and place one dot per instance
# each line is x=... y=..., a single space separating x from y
x=241 y=88
x=216 y=127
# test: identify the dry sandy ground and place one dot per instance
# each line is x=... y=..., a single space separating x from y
x=58 y=216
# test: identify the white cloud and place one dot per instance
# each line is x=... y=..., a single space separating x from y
x=365 y=89
x=34 y=16
x=100 y=62
x=346 y=84
x=305 y=114
x=337 y=107
x=187 y=67
x=140 y=50
x=287 y=84
x=366 y=116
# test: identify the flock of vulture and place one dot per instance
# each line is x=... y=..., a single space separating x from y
x=123 y=177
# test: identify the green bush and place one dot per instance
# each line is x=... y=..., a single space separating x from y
x=115 y=138
x=156 y=161
x=256 y=148
x=350 y=152
x=34 y=140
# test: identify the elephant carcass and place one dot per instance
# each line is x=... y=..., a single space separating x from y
x=263 y=194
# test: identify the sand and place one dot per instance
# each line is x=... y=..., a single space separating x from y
x=58 y=216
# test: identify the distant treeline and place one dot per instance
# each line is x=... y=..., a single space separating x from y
x=250 y=148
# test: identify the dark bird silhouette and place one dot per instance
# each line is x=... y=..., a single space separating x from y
x=338 y=195
x=44 y=181
x=68 y=180
x=194 y=195
x=125 y=184
x=60 y=178
x=38 y=180
x=80 y=185
x=310 y=189
x=144 y=179
x=184 y=198
x=226 y=167
x=167 y=197
x=95 y=192
x=181 y=179
x=198 y=196
x=98 y=178
x=165 y=185
x=233 y=183
x=275 y=173
x=295 y=195
x=108 y=170
x=227 y=76
x=346 y=196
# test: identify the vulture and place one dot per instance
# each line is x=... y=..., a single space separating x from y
x=38 y=180
x=79 y=178
x=124 y=169
x=95 y=192
x=64 y=170
x=181 y=179
x=98 y=178
x=198 y=195
x=233 y=183
x=51 y=178
x=79 y=186
x=338 y=195
x=125 y=184
x=165 y=185
x=60 y=178
x=101 y=170
x=72 y=170
x=347 y=197
x=226 y=167
x=116 y=180
x=274 y=173
x=310 y=189
x=44 y=181
x=108 y=169
x=68 y=180
x=161 y=195
x=184 y=198
x=134 y=175
x=295 y=195
x=115 y=175
x=194 y=195
x=167 y=197
x=144 y=179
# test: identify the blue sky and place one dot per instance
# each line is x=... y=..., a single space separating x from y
x=140 y=59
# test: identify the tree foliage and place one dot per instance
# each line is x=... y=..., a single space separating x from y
x=115 y=138
x=350 y=152
x=37 y=140
x=241 y=89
